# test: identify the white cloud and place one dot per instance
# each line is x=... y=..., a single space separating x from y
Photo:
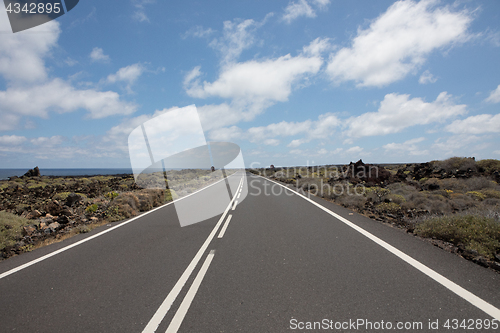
x=295 y=143
x=494 y=96
x=226 y=134
x=237 y=36
x=310 y=130
x=215 y=116
x=321 y=3
x=427 y=77
x=317 y=46
x=408 y=147
x=58 y=95
x=297 y=152
x=251 y=86
x=483 y=123
x=22 y=53
x=267 y=80
x=325 y=126
x=30 y=92
x=198 y=31
x=271 y=142
x=128 y=74
x=398 y=112
x=140 y=11
x=279 y=129
x=97 y=54
x=297 y=9
x=303 y=8
x=453 y=145
x=354 y=150
x=398 y=42
x=12 y=140
x=47 y=142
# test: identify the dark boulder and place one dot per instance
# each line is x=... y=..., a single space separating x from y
x=370 y=174
x=33 y=172
x=72 y=199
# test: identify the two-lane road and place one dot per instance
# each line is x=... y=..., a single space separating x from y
x=274 y=262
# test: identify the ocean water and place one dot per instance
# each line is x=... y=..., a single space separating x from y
x=6 y=173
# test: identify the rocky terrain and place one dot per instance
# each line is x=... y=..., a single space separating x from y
x=36 y=210
x=454 y=203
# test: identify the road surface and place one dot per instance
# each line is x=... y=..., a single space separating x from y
x=282 y=263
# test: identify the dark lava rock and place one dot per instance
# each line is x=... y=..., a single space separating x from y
x=63 y=219
x=72 y=199
x=370 y=174
x=33 y=172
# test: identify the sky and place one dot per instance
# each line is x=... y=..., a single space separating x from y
x=300 y=82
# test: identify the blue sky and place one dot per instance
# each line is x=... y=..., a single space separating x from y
x=292 y=82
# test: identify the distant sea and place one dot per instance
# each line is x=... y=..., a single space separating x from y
x=6 y=173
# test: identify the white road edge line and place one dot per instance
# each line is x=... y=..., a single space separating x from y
x=460 y=291
x=162 y=311
x=223 y=230
x=188 y=299
x=235 y=203
x=35 y=261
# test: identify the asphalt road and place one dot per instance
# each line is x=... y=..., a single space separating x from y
x=282 y=263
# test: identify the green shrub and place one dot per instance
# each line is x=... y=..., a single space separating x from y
x=477 y=195
x=479 y=183
x=490 y=193
x=396 y=198
x=170 y=195
x=456 y=163
x=111 y=195
x=352 y=201
x=477 y=233
x=376 y=193
x=61 y=196
x=11 y=227
x=489 y=166
x=37 y=185
x=92 y=208
x=388 y=207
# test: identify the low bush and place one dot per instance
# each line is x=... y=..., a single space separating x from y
x=396 y=198
x=61 y=196
x=91 y=208
x=479 y=183
x=476 y=195
x=476 y=233
x=377 y=194
x=490 y=193
x=352 y=201
x=456 y=163
x=489 y=166
x=11 y=227
x=388 y=207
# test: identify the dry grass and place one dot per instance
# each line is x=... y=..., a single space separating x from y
x=11 y=227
